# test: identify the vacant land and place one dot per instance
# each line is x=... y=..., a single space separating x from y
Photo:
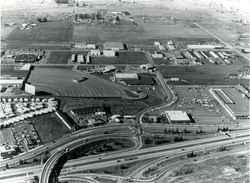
x=49 y=31
x=228 y=169
x=49 y=127
x=11 y=70
x=203 y=75
x=126 y=57
x=63 y=82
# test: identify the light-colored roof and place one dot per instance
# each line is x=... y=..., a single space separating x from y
x=126 y=75
x=116 y=45
x=177 y=115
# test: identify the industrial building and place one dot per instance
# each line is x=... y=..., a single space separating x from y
x=201 y=46
x=113 y=46
x=233 y=100
x=109 y=53
x=177 y=117
x=125 y=76
x=157 y=55
x=82 y=45
x=95 y=52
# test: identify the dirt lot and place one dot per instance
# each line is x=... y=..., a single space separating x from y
x=203 y=75
x=49 y=127
x=228 y=169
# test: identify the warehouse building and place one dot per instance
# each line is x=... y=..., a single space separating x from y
x=125 y=76
x=233 y=100
x=95 y=52
x=200 y=46
x=157 y=55
x=113 y=46
x=177 y=117
x=109 y=53
x=82 y=45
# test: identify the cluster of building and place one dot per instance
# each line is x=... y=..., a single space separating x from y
x=109 y=50
x=234 y=100
x=212 y=53
x=17 y=109
x=7 y=150
x=169 y=46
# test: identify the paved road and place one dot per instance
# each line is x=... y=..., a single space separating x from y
x=223 y=42
x=62 y=141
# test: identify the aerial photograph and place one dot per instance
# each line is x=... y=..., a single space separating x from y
x=125 y=91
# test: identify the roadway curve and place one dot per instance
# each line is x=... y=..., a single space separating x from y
x=50 y=163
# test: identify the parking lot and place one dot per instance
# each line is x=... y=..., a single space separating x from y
x=198 y=102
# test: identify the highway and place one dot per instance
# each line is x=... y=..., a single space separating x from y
x=64 y=140
x=50 y=163
x=150 y=152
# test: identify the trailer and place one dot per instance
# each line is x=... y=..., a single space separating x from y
x=197 y=55
x=204 y=55
x=213 y=54
x=221 y=55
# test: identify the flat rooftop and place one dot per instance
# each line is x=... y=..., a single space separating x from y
x=177 y=115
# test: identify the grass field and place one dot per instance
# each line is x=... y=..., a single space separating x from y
x=126 y=57
x=60 y=82
x=49 y=31
x=49 y=127
x=203 y=75
x=11 y=71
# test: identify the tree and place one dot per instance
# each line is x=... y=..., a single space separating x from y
x=117 y=18
x=165 y=130
x=20 y=162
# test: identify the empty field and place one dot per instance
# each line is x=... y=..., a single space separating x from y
x=126 y=57
x=63 y=82
x=49 y=127
x=10 y=70
x=203 y=75
x=49 y=31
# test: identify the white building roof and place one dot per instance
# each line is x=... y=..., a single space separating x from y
x=200 y=46
x=177 y=115
x=126 y=75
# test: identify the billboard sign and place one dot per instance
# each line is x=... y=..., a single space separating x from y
x=30 y=89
